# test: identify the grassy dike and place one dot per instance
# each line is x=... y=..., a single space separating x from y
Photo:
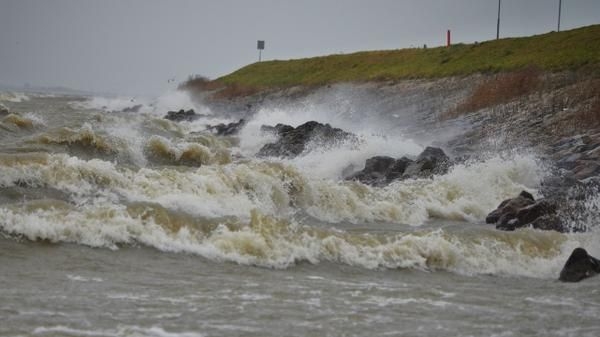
x=568 y=50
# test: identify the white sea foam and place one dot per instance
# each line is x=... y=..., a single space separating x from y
x=80 y=278
x=112 y=103
x=322 y=162
x=177 y=100
x=13 y=97
x=131 y=331
x=35 y=118
x=171 y=100
x=257 y=195
x=466 y=193
x=271 y=243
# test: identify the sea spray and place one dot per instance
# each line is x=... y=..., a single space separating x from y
x=271 y=242
x=280 y=188
x=159 y=106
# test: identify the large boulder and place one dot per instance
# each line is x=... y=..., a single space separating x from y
x=293 y=142
x=523 y=211
x=381 y=170
x=230 y=129
x=579 y=266
x=278 y=129
x=182 y=115
x=431 y=161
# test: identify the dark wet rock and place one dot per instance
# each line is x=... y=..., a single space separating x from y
x=524 y=210
x=278 y=129
x=557 y=187
x=230 y=129
x=397 y=169
x=526 y=195
x=578 y=155
x=135 y=108
x=293 y=142
x=375 y=170
x=579 y=266
x=550 y=222
x=508 y=209
x=182 y=115
x=585 y=169
x=381 y=170
x=431 y=161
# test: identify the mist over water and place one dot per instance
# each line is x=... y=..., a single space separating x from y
x=180 y=204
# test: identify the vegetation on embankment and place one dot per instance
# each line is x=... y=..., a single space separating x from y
x=567 y=50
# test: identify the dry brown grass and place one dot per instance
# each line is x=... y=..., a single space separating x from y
x=235 y=90
x=197 y=83
x=582 y=104
x=502 y=88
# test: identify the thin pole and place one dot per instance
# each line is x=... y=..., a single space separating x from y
x=498 y=24
x=559 y=8
x=259 y=55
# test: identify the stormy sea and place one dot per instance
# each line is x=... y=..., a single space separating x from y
x=115 y=221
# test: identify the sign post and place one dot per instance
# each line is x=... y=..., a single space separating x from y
x=260 y=45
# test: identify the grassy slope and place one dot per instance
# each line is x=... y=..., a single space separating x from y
x=553 y=52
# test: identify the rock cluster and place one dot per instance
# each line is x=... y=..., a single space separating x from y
x=182 y=115
x=579 y=266
x=230 y=129
x=293 y=141
x=523 y=211
x=278 y=129
x=381 y=170
x=578 y=154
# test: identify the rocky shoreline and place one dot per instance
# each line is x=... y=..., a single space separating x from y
x=558 y=118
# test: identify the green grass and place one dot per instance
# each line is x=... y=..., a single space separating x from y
x=568 y=50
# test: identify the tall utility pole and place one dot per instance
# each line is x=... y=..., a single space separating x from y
x=559 y=8
x=498 y=24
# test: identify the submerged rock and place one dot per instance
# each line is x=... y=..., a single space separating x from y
x=381 y=170
x=579 y=266
x=182 y=115
x=293 y=141
x=523 y=211
x=227 y=129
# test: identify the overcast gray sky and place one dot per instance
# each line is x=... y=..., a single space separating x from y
x=135 y=46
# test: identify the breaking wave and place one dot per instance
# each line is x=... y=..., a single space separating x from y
x=172 y=100
x=270 y=242
x=13 y=97
x=243 y=212
x=137 y=179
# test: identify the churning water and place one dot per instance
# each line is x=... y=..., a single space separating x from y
x=127 y=224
